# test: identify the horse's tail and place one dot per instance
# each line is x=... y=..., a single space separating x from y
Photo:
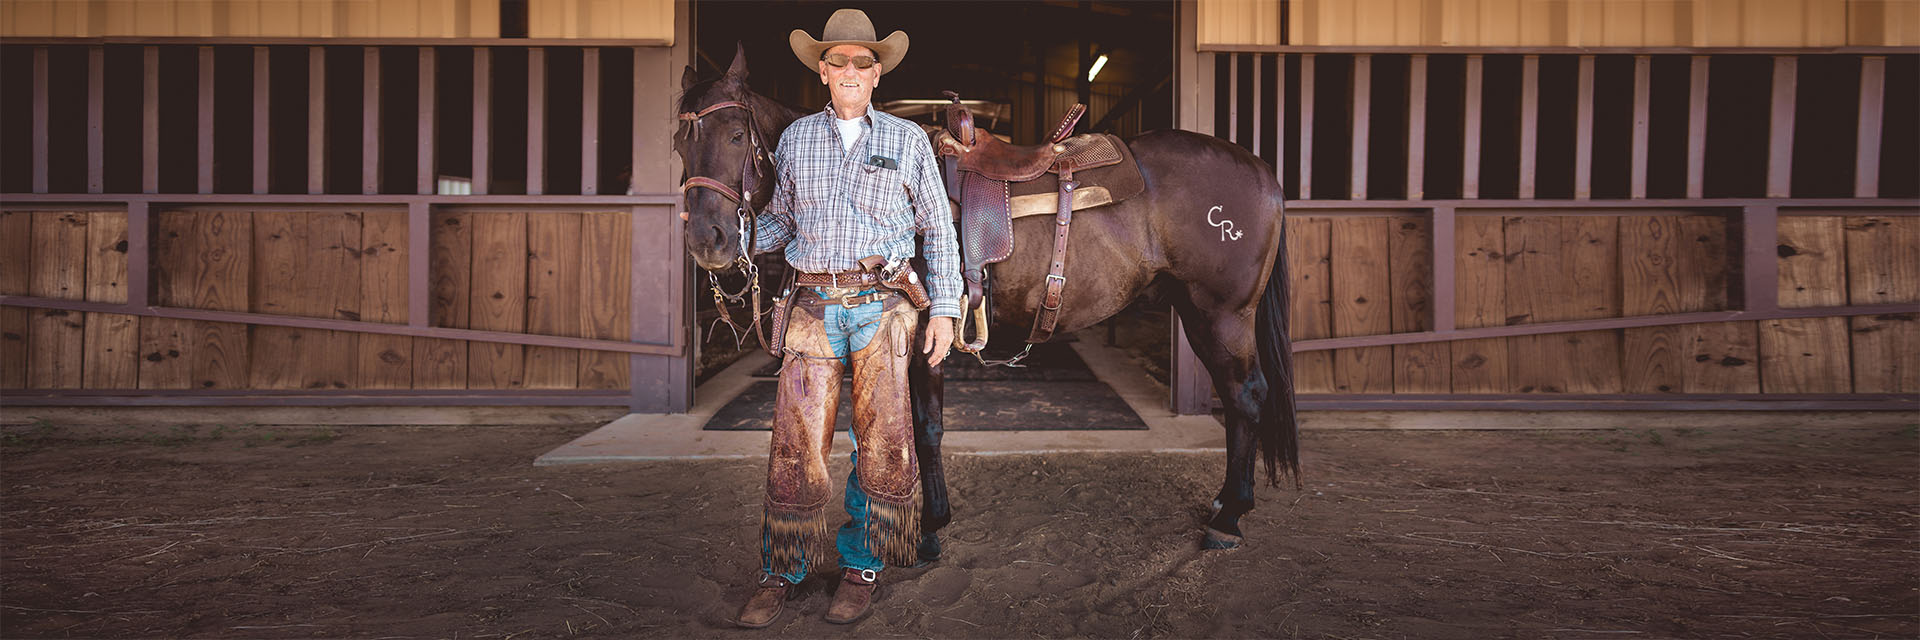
x=1278 y=429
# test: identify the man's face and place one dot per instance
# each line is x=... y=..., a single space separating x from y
x=850 y=85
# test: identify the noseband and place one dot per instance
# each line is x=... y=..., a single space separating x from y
x=743 y=209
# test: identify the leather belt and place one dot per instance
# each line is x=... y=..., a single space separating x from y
x=843 y=279
x=844 y=300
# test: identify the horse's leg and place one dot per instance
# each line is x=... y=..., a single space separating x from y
x=1224 y=342
x=925 y=384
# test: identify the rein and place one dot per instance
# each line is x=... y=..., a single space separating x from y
x=743 y=209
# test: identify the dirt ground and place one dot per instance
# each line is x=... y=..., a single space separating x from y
x=438 y=532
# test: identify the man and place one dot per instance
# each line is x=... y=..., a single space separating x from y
x=855 y=187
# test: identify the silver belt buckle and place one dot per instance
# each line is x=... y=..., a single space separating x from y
x=837 y=292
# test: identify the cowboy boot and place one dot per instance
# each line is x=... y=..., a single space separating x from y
x=854 y=599
x=766 y=604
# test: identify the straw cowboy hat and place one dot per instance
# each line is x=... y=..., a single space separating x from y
x=849 y=26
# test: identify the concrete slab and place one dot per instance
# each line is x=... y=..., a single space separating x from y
x=679 y=436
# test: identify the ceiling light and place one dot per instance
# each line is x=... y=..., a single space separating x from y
x=1097 y=65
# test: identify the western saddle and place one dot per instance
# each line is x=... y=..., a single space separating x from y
x=995 y=181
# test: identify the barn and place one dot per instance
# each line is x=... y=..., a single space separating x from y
x=1492 y=204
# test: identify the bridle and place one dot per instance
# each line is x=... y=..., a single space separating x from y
x=743 y=209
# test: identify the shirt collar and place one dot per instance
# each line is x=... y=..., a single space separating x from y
x=834 y=116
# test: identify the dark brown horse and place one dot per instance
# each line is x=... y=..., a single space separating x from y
x=1204 y=236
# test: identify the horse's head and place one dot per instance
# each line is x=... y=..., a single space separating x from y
x=726 y=154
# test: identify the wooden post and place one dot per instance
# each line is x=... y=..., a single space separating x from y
x=1306 y=127
x=41 y=122
x=536 y=120
x=203 y=159
x=262 y=98
x=426 y=176
x=1529 y=123
x=1417 y=133
x=1362 y=113
x=150 y=121
x=96 y=119
x=316 y=120
x=1780 y=131
x=1866 y=161
x=1583 y=133
x=1697 y=127
x=1642 y=101
x=590 y=121
x=1470 y=136
x=370 y=120
x=482 y=118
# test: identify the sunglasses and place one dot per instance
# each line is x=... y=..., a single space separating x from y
x=841 y=60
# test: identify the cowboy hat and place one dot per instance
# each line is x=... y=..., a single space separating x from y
x=848 y=26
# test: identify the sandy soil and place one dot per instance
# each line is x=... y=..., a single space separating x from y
x=396 y=532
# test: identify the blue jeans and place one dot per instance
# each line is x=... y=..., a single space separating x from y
x=848 y=330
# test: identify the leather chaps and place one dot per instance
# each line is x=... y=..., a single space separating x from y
x=795 y=528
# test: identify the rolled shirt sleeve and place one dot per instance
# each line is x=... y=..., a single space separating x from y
x=939 y=242
x=773 y=226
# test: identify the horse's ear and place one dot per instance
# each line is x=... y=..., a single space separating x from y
x=737 y=71
x=688 y=78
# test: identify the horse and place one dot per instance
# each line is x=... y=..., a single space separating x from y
x=1229 y=288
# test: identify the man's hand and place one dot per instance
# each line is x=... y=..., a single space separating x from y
x=939 y=340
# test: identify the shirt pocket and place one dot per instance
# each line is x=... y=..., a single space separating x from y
x=878 y=191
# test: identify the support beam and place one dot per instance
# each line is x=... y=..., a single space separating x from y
x=1780 y=129
x=1470 y=138
x=536 y=120
x=1873 y=95
x=1642 y=111
x=482 y=119
x=419 y=263
x=1232 y=133
x=96 y=119
x=262 y=100
x=1258 y=95
x=203 y=157
x=1305 y=187
x=1443 y=268
x=316 y=120
x=1529 y=124
x=150 y=120
x=1362 y=121
x=139 y=248
x=1583 y=132
x=1760 y=258
x=42 y=122
x=1417 y=127
x=1697 y=126
x=590 y=121
x=370 y=120
x=426 y=174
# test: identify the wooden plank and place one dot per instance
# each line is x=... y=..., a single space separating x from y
x=306 y=264
x=1886 y=353
x=262 y=129
x=112 y=340
x=1812 y=262
x=1417 y=127
x=96 y=119
x=1529 y=124
x=1805 y=355
x=605 y=279
x=1563 y=269
x=370 y=120
x=1719 y=357
x=425 y=176
x=1310 y=299
x=16 y=255
x=1470 y=139
x=481 y=169
x=1417 y=368
x=13 y=347
x=42 y=119
x=499 y=299
x=1883 y=259
x=1780 y=128
x=1583 y=132
x=1305 y=185
x=385 y=361
x=316 y=119
x=553 y=297
x=1650 y=283
x=166 y=354
x=1361 y=303
x=590 y=121
x=536 y=120
x=204 y=160
x=1705 y=264
x=1479 y=366
x=1866 y=159
x=150 y=121
x=437 y=363
x=1697 y=126
x=1362 y=110
x=1642 y=110
x=54 y=336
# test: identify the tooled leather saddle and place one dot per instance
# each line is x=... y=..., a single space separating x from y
x=994 y=182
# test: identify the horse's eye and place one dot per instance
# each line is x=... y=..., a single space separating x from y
x=738 y=136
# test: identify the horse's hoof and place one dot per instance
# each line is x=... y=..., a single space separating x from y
x=1216 y=540
x=929 y=550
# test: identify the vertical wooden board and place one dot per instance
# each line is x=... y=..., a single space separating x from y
x=112 y=346
x=333 y=282
x=439 y=363
x=106 y=257
x=307 y=264
x=1361 y=304
x=16 y=255
x=1886 y=353
x=1479 y=259
x=1812 y=262
x=55 y=336
x=1805 y=355
x=553 y=297
x=1719 y=357
x=1417 y=368
x=1593 y=265
x=1704 y=263
x=13 y=347
x=278 y=242
x=1310 y=299
x=386 y=361
x=1883 y=260
x=606 y=241
x=1535 y=363
x=219 y=280
x=1563 y=269
x=499 y=299
x=1650 y=284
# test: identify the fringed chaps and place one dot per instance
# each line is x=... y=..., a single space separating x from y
x=794 y=529
x=883 y=426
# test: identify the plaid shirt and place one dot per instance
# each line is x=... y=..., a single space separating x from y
x=833 y=208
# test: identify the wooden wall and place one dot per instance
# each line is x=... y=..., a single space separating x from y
x=1572 y=23
x=548 y=273
x=257 y=18
x=1365 y=275
x=645 y=20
